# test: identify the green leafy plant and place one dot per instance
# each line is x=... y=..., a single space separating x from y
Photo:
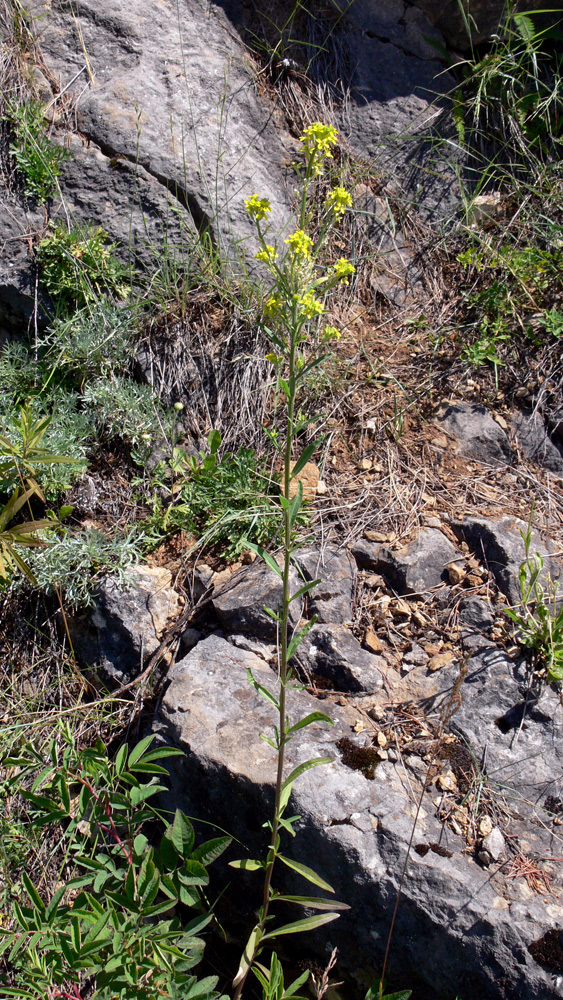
x=36 y=157
x=20 y=533
x=301 y=282
x=78 y=266
x=117 y=924
x=21 y=455
x=539 y=620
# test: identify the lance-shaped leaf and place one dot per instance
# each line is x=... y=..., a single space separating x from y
x=307 y=924
x=305 y=589
x=312 y=902
x=262 y=690
x=306 y=872
x=268 y=559
x=248 y=955
x=308 y=720
x=296 y=773
x=304 y=457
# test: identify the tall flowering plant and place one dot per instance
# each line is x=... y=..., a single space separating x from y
x=296 y=303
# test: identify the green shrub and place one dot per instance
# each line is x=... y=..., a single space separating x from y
x=128 y=410
x=36 y=157
x=79 y=266
x=116 y=922
x=94 y=342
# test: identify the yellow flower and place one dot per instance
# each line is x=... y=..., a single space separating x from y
x=267 y=254
x=300 y=243
x=331 y=333
x=342 y=269
x=257 y=208
x=309 y=305
x=338 y=200
x=273 y=305
x=320 y=138
x=273 y=358
x=317 y=141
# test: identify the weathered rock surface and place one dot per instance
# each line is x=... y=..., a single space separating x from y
x=456 y=932
x=534 y=440
x=479 y=436
x=331 y=652
x=332 y=599
x=501 y=546
x=483 y=17
x=366 y=553
x=127 y=622
x=239 y=601
x=420 y=565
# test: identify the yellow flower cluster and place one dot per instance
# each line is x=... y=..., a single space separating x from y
x=267 y=254
x=338 y=200
x=257 y=208
x=318 y=140
x=331 y=333
x=300 y=243
x=273 y=305
x=310 y=306
x=342 y=269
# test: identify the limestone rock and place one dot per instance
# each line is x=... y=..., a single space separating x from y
x=419 y=566
x=501 y=545
x=331 y=600
x=127 y=622
x=332 y=652
x=534 y=440
x=354 y=830
x=479 y=436
x=239 y=601
x=366 y=553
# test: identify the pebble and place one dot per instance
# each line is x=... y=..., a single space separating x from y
x=373 y=642
x=439 y=661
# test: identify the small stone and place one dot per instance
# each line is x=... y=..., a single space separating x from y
x=485 y=826
x=309 y=477
x=416 y=656
x=400 y=609
x=433 y=648
x=440 y=441
x=500 y=421
x=383 y=755
x=495 y=844
x=456 y=574
x=447 y=782
x=373 y=642
x=321 y=488
x=381 y=740
x=472 y=580
x=374 y=581
x=366 y=464
x=379 y=536
x=370 y=426
x=439 y=661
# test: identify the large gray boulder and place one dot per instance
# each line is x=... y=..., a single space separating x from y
x=535 y=441
x=332 y=599
x=240 y=600
x=460 y=930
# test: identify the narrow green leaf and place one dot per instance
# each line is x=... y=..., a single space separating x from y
x=298 y=638
x=296 y=504
x=247 y=865
x=312 y=902
x=138 y=751
x=248 y=955
x=33 y=894
x=306 y=872
x=305 y=457
x=268 y=559
x=304 y=590
x=296 y=773
x=212 y=849
x=307 y=720
x=262 y=690
x=307 y=924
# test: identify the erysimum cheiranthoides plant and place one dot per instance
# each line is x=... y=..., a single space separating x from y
x=293 y=322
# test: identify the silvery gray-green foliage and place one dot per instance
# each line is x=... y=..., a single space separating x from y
x=72 y=563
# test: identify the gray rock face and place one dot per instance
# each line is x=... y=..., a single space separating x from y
x=240 y=600
x=127 y=623
x=534 y=440
x=421 y=565
x=366 y=553
x=501 y=545
x=479 y=436
x=484 y=17
x=331 y=600
x=333 y=653
x=455 y=934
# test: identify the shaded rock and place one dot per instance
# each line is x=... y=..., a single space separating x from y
x=333 y=653
x=396 y=277
x=18 y=227
x=354 y=830
x=479 y=436
x=483 y=17
x=495 y=844
x=534 y=440
x=239 y=601
x=415 y=657
x=366 y=553
x=331 y=600
x=127 y=622
x=420 y=565
x=501 y=546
